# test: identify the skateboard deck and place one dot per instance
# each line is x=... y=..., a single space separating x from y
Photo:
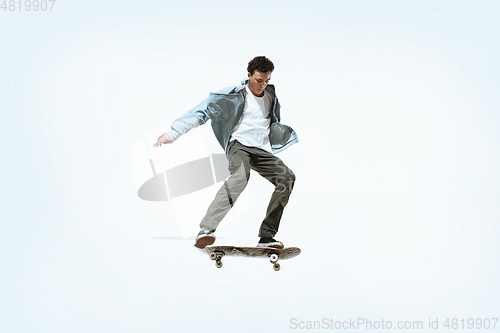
x=217 y=252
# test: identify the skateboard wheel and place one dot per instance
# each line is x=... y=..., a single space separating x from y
x=213 y=256
x=276 y=267
x=218 y=264
x=273 y=257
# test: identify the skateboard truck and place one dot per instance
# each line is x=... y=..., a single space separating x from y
x=274 y=260
x=217 y=252
x=217 y=256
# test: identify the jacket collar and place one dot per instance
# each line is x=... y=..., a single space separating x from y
x=269 y=87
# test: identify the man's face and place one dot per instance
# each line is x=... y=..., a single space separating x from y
x=258 y=81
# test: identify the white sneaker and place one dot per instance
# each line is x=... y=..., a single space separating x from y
x=270 y=242
x=205 y=237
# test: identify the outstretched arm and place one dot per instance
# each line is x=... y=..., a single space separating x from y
x=195 y=117
x=164 y=138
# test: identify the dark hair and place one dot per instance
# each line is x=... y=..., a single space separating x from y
x=261 y=64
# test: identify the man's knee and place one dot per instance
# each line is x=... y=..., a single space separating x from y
x=286 y=181
x=239 y=177
x=238 y=168
x=239 y=172
x=291 y=179
x=288 y=176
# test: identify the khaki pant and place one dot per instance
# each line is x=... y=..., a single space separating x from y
x=241 y=160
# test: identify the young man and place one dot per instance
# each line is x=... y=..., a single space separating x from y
x=246 y=122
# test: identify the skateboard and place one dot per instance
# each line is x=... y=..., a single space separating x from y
x=217 y=252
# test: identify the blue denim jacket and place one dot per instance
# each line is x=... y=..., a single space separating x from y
x=225 y=108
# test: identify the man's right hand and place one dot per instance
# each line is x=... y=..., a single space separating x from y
x=164 y=138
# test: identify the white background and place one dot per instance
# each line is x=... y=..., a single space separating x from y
x=396 y=201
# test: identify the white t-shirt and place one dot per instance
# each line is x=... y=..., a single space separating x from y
x=253 y=128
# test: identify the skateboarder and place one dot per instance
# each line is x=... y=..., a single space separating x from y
x=246 y=121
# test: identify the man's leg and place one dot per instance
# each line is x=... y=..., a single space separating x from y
x=239 y=168
x=273 y=169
